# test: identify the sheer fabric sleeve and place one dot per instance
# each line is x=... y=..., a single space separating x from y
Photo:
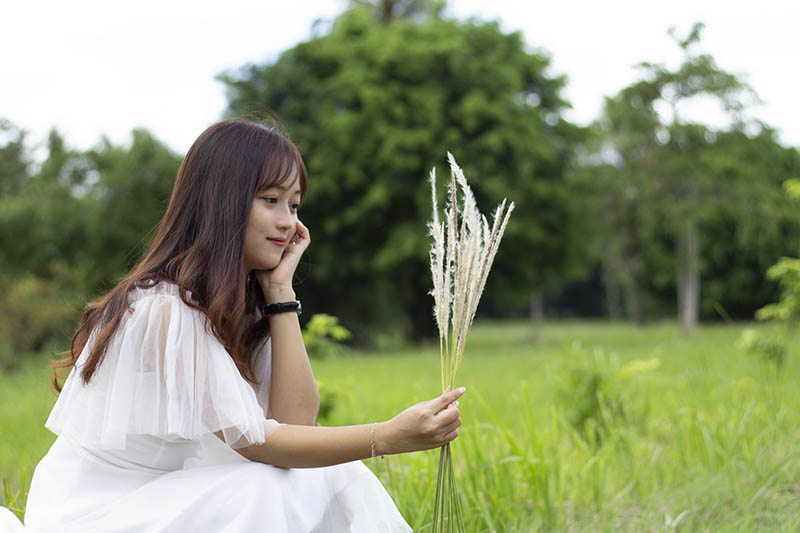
x=166 y=375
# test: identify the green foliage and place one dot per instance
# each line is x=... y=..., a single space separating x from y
x=792 y=188
x=748 y=221
x=126 y=203
x=373 y=107
x=598 y=394
x=327 y=400
x=679 y=201
x=44 y=220
x=92 y=211
x=387 y=11
x=38 y=312
x=786 y=272
x=595 y=406
x=14 y=162
x=785 y=312
x=333 y=395
x=323 y=335
x=771 y=349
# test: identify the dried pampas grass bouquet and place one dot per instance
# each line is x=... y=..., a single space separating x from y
x=463 y=249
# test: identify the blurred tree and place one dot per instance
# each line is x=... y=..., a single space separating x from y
x=42 y=232
x=748 y=221
x=373 y=107
x=386 y=11
x=613 y=215
x=131 y=192
x=44 y=221
x=89 y=210
x=14 y=162
x=668 y=180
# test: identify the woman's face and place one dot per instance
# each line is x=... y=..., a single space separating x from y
x=271 y=225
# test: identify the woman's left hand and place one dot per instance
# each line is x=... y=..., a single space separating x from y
x=276 y=284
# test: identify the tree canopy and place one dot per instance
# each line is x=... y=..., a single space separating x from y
x=373 y=107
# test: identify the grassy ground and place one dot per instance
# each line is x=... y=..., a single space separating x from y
x=567 y=427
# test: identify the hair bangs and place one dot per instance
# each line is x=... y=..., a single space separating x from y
x=285 y=166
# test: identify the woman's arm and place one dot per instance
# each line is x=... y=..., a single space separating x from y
x=423 y=426
x=293 y=396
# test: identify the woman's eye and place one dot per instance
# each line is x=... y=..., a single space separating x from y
x=295 y=207
x=271 y=200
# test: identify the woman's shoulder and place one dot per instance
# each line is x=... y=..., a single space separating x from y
x=158 y=289
x=161 y=303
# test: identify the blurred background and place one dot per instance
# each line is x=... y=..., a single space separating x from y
x=649 y=149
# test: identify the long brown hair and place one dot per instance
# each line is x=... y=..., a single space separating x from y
x=199 y=242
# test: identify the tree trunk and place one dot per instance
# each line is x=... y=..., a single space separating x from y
x=688 y=263
x=632 y=284
x=613 y=292
x=630 y=267
x=635 y=300
x=537 y=306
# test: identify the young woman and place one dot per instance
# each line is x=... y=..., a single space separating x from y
x=192 y=404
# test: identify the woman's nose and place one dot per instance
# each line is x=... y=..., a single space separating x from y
x=285 y=219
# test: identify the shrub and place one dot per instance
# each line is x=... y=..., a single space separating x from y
x=324 y=336
x=599 y=395
x=785 y=312
x=37 y=312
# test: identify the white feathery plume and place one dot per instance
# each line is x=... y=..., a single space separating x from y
x=435 y=230
x=461 y=258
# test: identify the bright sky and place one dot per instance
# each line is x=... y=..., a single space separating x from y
x=91 y=67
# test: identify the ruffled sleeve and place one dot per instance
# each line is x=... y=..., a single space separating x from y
x=166 y=375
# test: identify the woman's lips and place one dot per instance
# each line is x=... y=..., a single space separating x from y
x=278 y=242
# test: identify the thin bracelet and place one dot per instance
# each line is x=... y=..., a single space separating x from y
x=372 y=442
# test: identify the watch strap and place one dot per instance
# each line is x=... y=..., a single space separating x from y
x=282 y=307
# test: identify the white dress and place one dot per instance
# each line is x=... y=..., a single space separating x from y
x=136 y=451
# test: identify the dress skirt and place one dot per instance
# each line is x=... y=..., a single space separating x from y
x=74 y=490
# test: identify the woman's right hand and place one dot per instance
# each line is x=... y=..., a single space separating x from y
x=423 y=426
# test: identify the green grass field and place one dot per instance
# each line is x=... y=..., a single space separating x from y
x=568 y=426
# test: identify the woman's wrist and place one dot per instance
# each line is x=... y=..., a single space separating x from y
x=381 y=444
x=276 y=295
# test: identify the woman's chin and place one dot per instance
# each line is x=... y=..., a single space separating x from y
x=265 y=261
x=268 y=265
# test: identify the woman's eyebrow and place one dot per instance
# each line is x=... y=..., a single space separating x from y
x=283 y=188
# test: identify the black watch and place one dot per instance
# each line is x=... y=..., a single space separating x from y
x=283 y=307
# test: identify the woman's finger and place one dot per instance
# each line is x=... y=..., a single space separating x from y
x=301 y=231
x=446 y=418
x=450 y=436
x=447 y=398
x=452 y=426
